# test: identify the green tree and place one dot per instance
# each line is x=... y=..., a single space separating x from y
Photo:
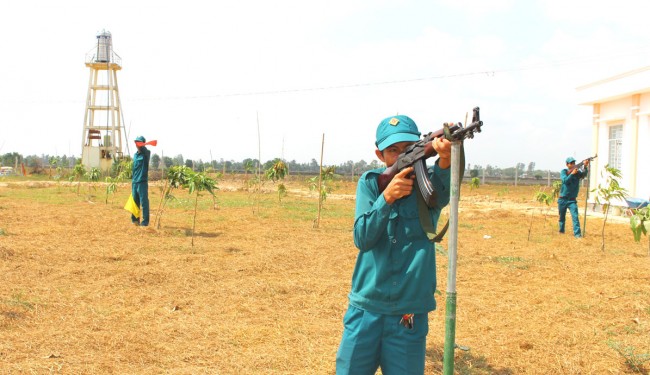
x=111 y=187
x=543 y=198
x=314 y=166
x=59 y=174
x=489 y=170
x=531 y=167
x=10 y=159
x=53 y=161
x=176 y=177
x=93 y=176
x=326 y=179
x=520 y=168
x=360 y=166
x=155 y=161
x=123 y=169
x=640 y=224
x=35 y=163
x=276 y=172
x=607 y=191
x=167 y=162
x=77 y=173
x=198 y=182
x=557 y=186
x=249 y=166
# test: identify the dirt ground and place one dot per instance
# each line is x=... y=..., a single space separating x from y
x=262 y=291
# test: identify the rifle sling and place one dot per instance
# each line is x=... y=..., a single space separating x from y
x=423 y=209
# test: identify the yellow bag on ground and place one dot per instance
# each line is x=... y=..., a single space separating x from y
x=132 y=207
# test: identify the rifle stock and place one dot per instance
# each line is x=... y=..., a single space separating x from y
x=384 y=179
x=390 y=172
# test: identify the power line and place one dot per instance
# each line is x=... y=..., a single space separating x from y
x=487 y=73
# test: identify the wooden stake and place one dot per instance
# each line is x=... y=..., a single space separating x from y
x=259 y=161
x=320 y=182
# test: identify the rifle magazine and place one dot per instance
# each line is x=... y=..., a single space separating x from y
x=424 y=184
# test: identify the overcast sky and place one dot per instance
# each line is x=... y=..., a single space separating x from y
x=197 y=75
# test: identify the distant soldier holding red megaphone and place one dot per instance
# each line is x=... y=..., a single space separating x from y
x=140 y=180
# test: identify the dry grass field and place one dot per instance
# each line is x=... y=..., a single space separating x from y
x=82 y=291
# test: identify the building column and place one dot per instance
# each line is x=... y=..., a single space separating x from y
x=634 y=150
x=593 y=165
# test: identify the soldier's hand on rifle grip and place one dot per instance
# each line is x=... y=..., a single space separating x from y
x=443 y=148
x=400 y=186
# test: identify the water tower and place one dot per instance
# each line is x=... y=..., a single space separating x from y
x=101 y=141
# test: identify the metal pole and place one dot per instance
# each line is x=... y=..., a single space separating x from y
x=450 y=309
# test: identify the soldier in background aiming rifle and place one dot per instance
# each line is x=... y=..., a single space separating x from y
x=571 y=177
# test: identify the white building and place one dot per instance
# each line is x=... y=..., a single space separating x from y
x=621 y=129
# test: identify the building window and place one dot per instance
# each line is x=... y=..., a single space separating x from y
x=615 y=146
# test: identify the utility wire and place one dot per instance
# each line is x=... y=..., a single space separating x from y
x=488 y=73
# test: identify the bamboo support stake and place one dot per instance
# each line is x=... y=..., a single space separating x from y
x=320 y=182
x=584 y=224
x=450 y=309
x=259 y=162
x=516 y=174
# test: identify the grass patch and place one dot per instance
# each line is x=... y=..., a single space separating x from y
x=512 y=262
x=470 y=226
x=633 y=360
x=262 y=282
x=441 y=250
x=18 y=300
x=504 y=191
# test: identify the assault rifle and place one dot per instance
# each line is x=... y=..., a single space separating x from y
x=580 y=166
x=416 y=154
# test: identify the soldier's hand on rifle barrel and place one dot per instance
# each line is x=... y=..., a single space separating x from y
x=400 y=186
x=586 y=162
x=443 y=148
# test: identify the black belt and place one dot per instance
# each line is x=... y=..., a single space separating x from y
x=569 y=199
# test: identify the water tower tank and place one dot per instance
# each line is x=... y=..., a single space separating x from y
x=104 y=46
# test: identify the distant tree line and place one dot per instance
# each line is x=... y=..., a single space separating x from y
x=249 y=165
x=520 y=170
x=37 y=163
